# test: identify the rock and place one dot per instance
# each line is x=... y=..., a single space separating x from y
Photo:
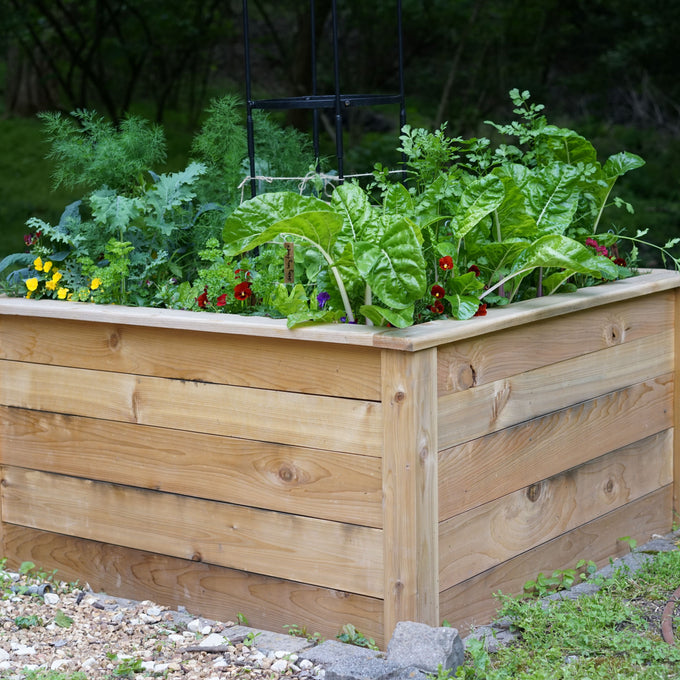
x=279 y=666
x=417 y=645
x=51 y=598
x=213 y=640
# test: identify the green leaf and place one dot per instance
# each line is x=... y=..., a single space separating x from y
x=394 y=267
x=619 y=164
x=291 y=302
x=399 y=318
x=555 y=250
x=262 y=218
x=552 y=197
x=463 y=306
x=397 y=200
x=480 y=198
x=562 y=144
x=62 y=620
x=351 y=201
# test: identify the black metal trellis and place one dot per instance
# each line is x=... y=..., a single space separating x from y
x=337 y=101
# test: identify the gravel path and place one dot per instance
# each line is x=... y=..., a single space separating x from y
x=77 y=630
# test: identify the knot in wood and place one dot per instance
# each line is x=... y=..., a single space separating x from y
x=534 y=492
x=614 y=334
x=466 y=376
x=286 y=473
x=399 y=397
x=609 y=486
x=114 y=340
x=197 y=557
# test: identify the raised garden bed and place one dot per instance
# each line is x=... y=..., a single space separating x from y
x=336 y=474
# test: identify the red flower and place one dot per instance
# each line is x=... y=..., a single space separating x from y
x=474 y=268
x=437 y=291
x=481 y=311
x=202 y=299
x=600 y=250
x=242 y=273
x=242 y=291
x=620 y=261
x=437 y=307
x=446 y=262
x=221 y=300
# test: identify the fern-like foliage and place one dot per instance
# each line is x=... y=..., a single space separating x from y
x=92 y=153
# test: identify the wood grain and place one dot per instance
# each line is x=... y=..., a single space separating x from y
x=328 y=554
x=267 y=363
x=489 y=467
x=204 y=589
x=492 y=533
x=410 y=489
x=324 y=484
x=500 y=355
x=329 y=423
x=503 y=403
x=471 y=603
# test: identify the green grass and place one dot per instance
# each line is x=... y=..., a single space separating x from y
x=612 y=635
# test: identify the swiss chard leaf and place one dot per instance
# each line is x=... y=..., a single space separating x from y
x=393 y=267
x=552 y=196
x=480 y=198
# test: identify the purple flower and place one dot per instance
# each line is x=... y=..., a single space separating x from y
x=322 y=299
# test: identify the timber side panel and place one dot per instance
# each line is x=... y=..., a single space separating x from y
x=486 y=359
x=472 y=602
x=324 y=484
x=331 y=423
x=503 y=403
x=204 y=589
x=320 y=552
x=488 y=467
x=490 y=534
x=266 y=363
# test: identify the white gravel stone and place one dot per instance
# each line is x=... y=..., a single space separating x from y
x=23 y=650
x=306 y=664
x=51 y=598
x=194 y=626
x=4 y=655
x=279 y=666
x=213 y=640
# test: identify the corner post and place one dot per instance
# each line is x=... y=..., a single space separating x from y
x=410 y=495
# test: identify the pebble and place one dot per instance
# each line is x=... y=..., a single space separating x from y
x=51 y=598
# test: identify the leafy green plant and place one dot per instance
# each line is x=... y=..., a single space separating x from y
x=561 y=579
x=28 y=621
x=303 y=632
x=351 y=636
x=126 y=667
x=441 y=674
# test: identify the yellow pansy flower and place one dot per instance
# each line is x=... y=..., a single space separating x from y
x=47 y=266
x=62 y=293
x=95 y=283
x=38 y=264
x=32 y=284
x=51 y=285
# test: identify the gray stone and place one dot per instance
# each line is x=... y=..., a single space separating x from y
x=348 y=662
x=268 y=641
x=417 y=645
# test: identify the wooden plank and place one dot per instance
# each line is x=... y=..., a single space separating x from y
x=415 y=338
x=204 y=589
x=324 y=484
x=267 y=363
x=492 y=533
x=492 y=357
x=488 y=408
x=328 y=554
x=298 y=419
x=410 y=488
x=472 y=602
x=489 y=467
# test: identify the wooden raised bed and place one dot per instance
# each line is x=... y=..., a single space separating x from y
x=336 y=474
